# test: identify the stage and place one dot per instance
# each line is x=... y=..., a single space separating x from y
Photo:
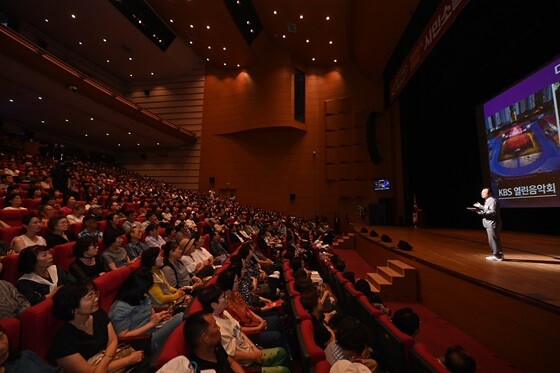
x=512 y=306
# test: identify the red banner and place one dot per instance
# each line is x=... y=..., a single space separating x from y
x=440 y=22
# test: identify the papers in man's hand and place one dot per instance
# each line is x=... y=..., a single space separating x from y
x=475 y=209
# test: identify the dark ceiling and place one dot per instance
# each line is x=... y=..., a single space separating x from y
x=97 y=40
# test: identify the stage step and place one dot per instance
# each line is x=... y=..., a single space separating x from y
x=346 y=241
x=396 y=282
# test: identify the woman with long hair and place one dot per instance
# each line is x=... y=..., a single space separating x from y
x=132 y=314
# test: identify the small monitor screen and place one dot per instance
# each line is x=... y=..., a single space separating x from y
x=381 y=184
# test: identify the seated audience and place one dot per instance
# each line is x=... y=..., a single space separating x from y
x=132 y=314
x=45 y=213
x=195 y=266
x=13 y=303
x=14 y=202
x=203 y=336
x=77 y=215
x=153 y=239
x=234 y=341
x=407 y=321
x=364 y=286
x=218 y=248
x=41 y=278
x=323 y=333
x=175 y=271
x=32 y=226
x=88 y=264
x=112 y=229
x=161 y=293
x=135 y=246
x=350 y=344
x=58 y=233
x=87 y=333
x=114 y=254
x=457 y=360
x=130 y=221
x=90 y=227
x=68 y=206
x=266 y=330
x=15 y=361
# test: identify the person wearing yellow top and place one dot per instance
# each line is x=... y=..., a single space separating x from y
x=162 y=294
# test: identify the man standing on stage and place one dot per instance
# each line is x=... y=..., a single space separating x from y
x=490 y=213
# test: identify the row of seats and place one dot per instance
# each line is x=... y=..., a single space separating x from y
x=399 y=351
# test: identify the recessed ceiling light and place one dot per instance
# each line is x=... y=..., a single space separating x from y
x=46 y=20
x=152 y=74
x=208 y=27
x=283 y=36
x=85 y=135
x=91 y=118
x=224 y=48
x=139 y=21
x=130 y=133
x=108 y=61
x=328 y=18
x=209 y=47
x=225 y=64
x=40 y=98
x=107 y=134
x=190 y=41
x=251 y=30
x=275 y=12
x=104 y=40
x=138 y=144
x=118 y=144
x=238 y=65
x=313 y=59
x=191 y=26
x=11 y=100
x=207 y=59
x=171 y=20
x=330 y=41
x=248 y=22
x=43 y=121
x=130 y=75
x=335 y=61
x=157 y=143
x=130 y=58
x=73 y=16
x=307 y=40
x=301 y=16
x=80 y=43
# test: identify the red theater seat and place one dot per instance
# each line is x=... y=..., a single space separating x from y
x=108 y=285
x=12 y=217
x=310 y=353
x=10 y=270
x=38 y=327
x=423 y=361
x=12 y=328
x=394 y=345
x=63 y=255
x=8 y=234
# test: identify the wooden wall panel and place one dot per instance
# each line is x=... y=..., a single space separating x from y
x=180 y=101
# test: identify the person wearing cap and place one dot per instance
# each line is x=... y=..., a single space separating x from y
x=90 y=227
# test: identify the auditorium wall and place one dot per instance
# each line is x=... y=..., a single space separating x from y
x=252 y=145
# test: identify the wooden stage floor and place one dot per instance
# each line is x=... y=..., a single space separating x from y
x=531 y=269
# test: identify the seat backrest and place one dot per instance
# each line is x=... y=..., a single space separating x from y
x=63 y=255
x=206 y=243
x=310 y=353
x=76 y=227
x=174 y=346
x=394 y=345
x=108 y=286
x=323 y=366
x=424 y=362
x=38 y=327
x=12 y=217
x=12 y=328
x=8 y=234
x=350 y=297
x=10 y=269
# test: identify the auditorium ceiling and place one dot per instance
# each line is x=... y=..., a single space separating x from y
x=95 y=38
